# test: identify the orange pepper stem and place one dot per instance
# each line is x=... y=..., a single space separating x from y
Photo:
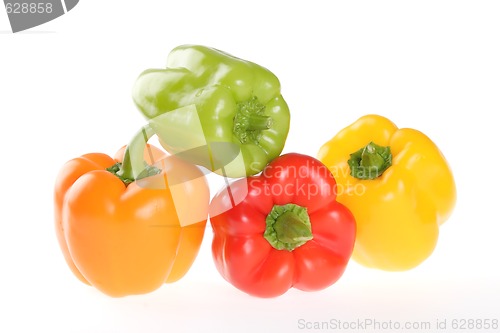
x=133 y=166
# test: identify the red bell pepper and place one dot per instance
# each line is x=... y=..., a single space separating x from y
x=287 y=230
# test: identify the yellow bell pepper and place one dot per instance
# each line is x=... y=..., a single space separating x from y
x=397 y=184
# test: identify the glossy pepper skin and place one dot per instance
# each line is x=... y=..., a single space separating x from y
x=287 y=229
x=238 y=103
x=398 y=212
x=127 y=240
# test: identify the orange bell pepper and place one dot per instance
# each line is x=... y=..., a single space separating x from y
x=128 y=238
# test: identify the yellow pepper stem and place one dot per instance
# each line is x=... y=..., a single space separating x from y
x=370 y=161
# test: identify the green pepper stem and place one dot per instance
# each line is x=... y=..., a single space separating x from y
x=250 y=120
x=133 y=159
x=257 y=122
x=370 y=161
x=288 y=227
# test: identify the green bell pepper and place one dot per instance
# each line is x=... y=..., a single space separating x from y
x=224 y=113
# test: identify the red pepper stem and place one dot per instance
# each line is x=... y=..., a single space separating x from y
x=288 y=227
x=133 y=159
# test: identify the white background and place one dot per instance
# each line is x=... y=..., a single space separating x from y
x=65 y=90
